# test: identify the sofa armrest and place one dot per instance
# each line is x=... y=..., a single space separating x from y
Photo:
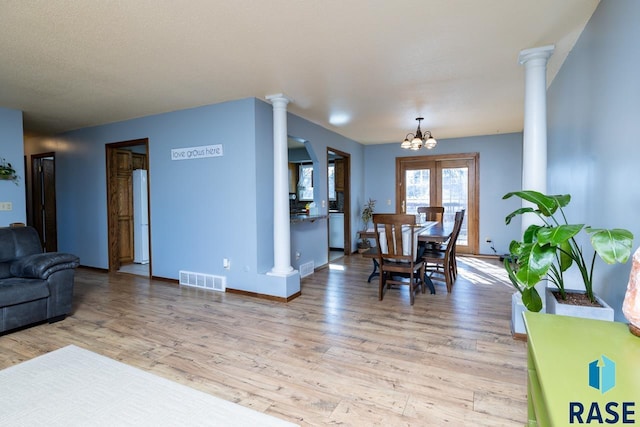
x=41 y=266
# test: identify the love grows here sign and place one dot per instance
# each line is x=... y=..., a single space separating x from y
x=190 y=153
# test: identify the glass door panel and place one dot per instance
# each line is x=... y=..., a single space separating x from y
x=455 y=197
x=417 y=189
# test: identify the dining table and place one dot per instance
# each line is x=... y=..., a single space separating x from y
x=428 y=232
x=437 y=232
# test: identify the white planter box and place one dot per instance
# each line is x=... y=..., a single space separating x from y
x=600 y=313
x=517 y=308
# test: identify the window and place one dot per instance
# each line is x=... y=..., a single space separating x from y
x=331 y=170
x=305 y=183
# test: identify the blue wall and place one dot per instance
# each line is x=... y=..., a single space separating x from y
x=12 y=150
x=500 y=172
x=313 y=239
x=201 y=210
x=593 y=132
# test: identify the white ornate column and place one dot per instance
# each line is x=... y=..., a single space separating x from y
x=534 y=144
x=281 y=225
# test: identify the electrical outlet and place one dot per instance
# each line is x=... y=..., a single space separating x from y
x=6 y=206
x=225 y=263
x=388 y=202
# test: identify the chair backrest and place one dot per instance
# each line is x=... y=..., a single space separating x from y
x=395 y=237
x=457 y=226
x=432 y=213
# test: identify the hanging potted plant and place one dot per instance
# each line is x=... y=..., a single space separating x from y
x=7 y=172
x=367 y=213
x=548 y=250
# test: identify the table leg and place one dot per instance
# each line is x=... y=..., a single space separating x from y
x=429 y=283
x=375 y=273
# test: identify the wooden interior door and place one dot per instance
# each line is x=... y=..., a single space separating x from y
x=124 y=205
x=43 y=191
x=121 y=161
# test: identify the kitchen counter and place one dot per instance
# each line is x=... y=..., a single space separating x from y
x=296 y=218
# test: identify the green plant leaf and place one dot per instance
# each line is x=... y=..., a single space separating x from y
x=612 y=245
x=565 y=258
x=534 y=262
x=531 y=299
x=515 y=248
x=562 y=199
x=547 y=205
x=517 y=212
x=558 y=235
x=508 y=265
x=530 y=235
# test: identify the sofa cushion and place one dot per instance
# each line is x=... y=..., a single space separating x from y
x=7 y=246
x=15 y=290
x=5 y=268
x=18 y=242
x=27 y=241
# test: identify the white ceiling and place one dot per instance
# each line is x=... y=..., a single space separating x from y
x=377 y=64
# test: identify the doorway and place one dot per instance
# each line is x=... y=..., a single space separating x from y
x=451 y=181
x=339 y=208
x=129 y=232
x=43 y=199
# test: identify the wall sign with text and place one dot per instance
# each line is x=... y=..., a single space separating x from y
x=190 y=153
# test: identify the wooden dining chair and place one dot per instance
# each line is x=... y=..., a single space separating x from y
x=398 y=259
x=432 y=213
x=443 y=262
x=454 y=265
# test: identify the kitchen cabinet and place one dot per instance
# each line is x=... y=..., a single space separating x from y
x=339 y=175
x=293 y=177
x=138 y=161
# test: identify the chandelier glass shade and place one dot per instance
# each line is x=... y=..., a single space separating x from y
x=418 y=140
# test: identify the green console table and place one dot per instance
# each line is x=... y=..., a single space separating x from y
x=566 y=387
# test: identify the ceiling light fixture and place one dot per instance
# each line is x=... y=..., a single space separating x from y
x=418 y=140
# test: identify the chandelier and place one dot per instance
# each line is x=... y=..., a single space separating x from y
x=419 y=140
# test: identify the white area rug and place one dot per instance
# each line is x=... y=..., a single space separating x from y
x=75 y=387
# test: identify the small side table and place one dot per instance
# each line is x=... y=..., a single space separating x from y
x=370 y=253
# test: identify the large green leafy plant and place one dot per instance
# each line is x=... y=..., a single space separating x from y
x=550 y=249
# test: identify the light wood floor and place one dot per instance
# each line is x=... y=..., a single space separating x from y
x=335 y=355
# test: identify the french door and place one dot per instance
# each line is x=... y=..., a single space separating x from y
x=450 y=181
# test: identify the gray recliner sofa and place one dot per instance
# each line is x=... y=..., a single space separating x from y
x=34 y=286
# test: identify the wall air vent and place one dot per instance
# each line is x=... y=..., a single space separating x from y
x=307 y=269
x=203 y=281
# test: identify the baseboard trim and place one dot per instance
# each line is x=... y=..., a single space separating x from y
x=263 y=296
x=520 y=337
x=483 y=256
x=165 y=279
x=101 y=270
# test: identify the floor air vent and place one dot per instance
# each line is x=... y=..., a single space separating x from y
x=204 y=281
x=306 y=269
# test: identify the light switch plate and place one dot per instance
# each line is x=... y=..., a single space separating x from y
x=6 y=206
